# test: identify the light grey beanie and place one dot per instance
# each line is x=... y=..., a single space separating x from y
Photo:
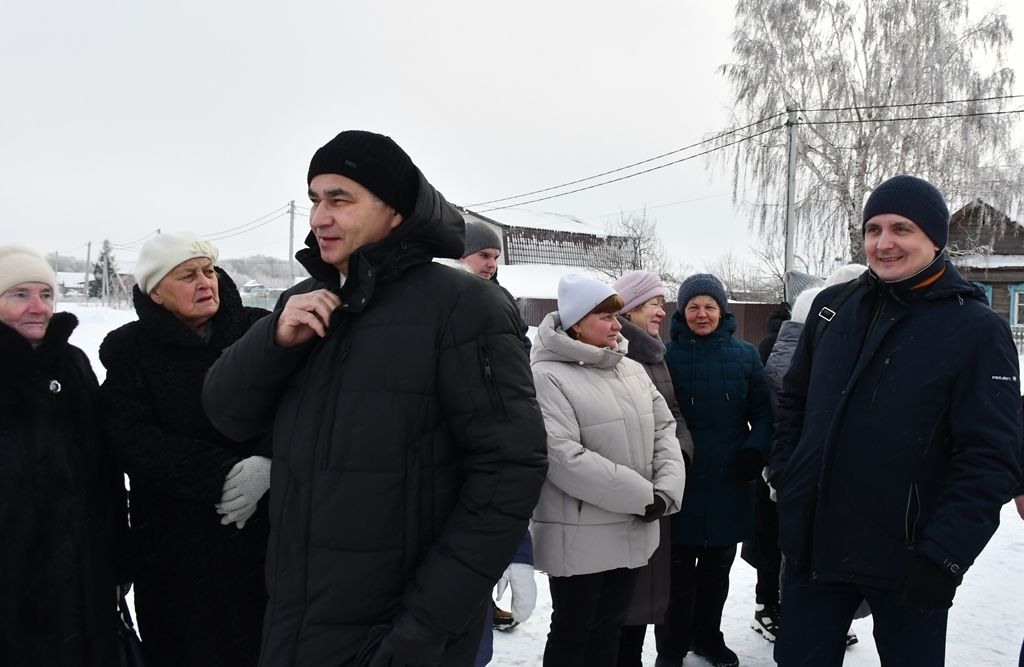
x=165 y=251
x=22 y=265
x=578 y=295
x=480 y=236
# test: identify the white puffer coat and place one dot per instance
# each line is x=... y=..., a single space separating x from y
x=611 y=446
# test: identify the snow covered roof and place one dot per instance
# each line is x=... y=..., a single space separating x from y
x=989 y=261
x=558 y=222
x=70 y=278
x=538 y=281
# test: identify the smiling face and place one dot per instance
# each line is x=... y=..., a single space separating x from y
x=648 y=315
x=599 y=330
x=896 y=247
x=483 y=263
x=190 y=291
x=345 y=216
x=702 y=314
x=27 y=308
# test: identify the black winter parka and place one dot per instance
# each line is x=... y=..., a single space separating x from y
x=62 y=506
x=409 y=450
x=899 y=432
x=199 y=588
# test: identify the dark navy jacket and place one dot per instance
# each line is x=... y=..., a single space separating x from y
x=902 y=435
x=723 y=396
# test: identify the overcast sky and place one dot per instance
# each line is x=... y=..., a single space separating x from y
x=121 y=117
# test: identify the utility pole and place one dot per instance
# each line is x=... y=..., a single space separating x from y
x=291 y=241
x=106 y=272
x=790 y=196
x=85 y=277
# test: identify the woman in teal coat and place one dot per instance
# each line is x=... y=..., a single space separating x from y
x=723 y=395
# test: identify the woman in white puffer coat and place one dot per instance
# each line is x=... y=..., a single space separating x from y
x=614 y=468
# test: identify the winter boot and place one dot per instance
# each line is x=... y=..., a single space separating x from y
x=716 y=652
x=766 y=620
x=503 y=620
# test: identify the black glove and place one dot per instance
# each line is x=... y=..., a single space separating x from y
x=408 y=644
x=655 y=510
x=927 y=586
x=749 y=465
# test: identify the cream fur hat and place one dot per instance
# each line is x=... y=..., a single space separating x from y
x=577 y=296
x=22 y=265
x=165 y=251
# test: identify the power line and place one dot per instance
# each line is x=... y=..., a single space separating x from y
x=912 y=104
x=657 y=206
x=628 y=166
x=904 y=118
x=639 y=173
x=214 y=237
x=136 y=242
x=251 y=222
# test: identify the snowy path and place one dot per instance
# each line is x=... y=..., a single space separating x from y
x=986 y=623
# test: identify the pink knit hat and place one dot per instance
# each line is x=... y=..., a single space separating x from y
x=638 y=287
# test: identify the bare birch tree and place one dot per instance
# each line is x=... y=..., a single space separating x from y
x=872 y=82
x=639 y=249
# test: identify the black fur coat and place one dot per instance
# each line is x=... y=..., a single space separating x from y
x=60 y=502
x=199 y=585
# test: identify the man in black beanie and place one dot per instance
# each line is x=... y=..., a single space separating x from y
x=896 y=440
x=409 y=450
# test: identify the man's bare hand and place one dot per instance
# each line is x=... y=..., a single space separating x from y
x=305 y=316
x=1019 y=502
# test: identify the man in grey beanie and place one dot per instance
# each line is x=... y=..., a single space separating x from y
x=409 y=450
x=896 y=441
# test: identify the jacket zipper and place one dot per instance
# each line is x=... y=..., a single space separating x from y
x=492 y=388
x=326 y=435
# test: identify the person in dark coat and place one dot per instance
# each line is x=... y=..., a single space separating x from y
x=480 y=257
x=409 y=449
x=199 y=591
x=641 y=315
x=62 y=502
x=896 y=442
x=720 y=384
x=775 y=320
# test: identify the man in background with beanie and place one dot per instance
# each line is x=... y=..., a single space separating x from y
x=409 y=450
x=480 y=256
x=896 y=441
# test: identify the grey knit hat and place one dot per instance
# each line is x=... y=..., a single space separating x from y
x=703 y=283
x=480 y=236
x=915 y=199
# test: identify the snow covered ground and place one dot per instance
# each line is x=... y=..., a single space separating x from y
x=986 y=624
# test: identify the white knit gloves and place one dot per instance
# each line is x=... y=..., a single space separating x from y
x=519 y=578
x=245 y=484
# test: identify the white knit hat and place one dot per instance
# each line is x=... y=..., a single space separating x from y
x=845 y=274
x=165 y=251
x=802 y=307
x=577 y=296
x=22 y=265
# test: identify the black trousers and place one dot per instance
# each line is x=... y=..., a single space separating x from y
x=587 y=613
x=699 y=587
x=818 y=614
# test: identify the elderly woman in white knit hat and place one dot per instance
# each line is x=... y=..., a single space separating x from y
x=196 y=509
x=641 y=316
x=614 y=469
x=62 y=504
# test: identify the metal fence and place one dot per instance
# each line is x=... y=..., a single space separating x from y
x=1018 y=336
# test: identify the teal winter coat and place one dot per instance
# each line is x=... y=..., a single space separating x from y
x=723 y=395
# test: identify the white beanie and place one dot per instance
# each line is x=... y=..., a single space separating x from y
x=165 y=251
x=577 y=296
x=845 y=274
x=802 y=307
x=22 y=265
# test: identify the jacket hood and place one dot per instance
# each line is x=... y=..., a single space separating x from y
x=681 y=331
x=552 y=344
x=434 y=229
x=643 y=347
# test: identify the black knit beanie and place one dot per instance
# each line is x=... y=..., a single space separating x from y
x=915 y=199
x=374 y=161
x=703 y=283
x=478 y=237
